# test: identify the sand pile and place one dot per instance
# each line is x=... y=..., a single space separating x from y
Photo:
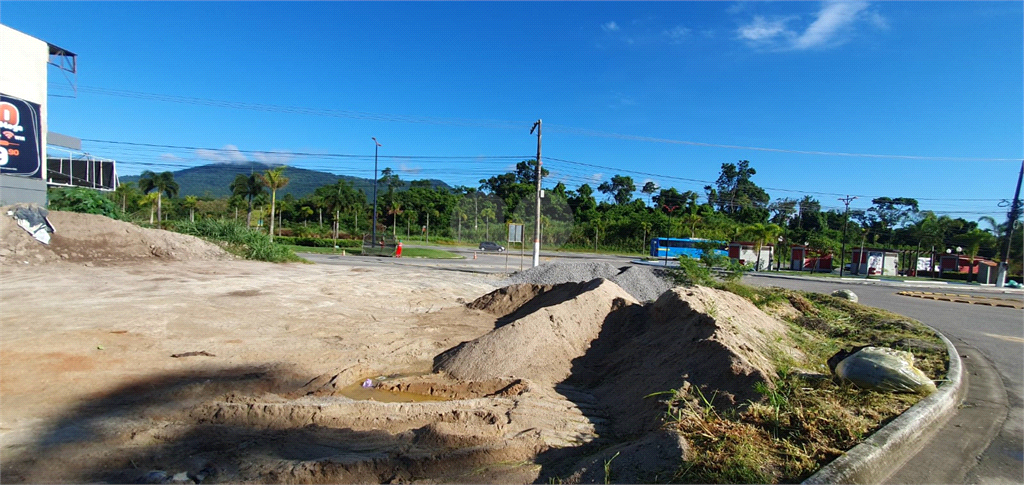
x=594 y=336
x=95 y=239
x=548 y=332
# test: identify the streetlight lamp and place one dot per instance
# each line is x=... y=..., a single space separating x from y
x=778 y=257
x=958 y=250
x=373 y=230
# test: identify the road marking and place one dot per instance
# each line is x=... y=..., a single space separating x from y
x=1005 y=337
x=971 y=299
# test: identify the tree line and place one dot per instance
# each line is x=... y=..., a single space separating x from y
x=614 y=216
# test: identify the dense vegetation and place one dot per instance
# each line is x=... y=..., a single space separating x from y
x=614 y=216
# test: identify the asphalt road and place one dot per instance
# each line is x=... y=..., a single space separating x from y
x=983 y=443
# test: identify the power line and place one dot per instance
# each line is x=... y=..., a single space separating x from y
x=502 y=124
x=309 y=154
x=777 y=189
x=594 y=133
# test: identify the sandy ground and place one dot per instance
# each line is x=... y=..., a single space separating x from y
x=139 y=355
x=74 y=335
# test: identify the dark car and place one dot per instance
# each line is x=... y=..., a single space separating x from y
x=491 y=246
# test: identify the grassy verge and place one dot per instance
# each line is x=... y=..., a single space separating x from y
x=406 y=252
x=317 y=250
x=806 y=418
x=239 y=240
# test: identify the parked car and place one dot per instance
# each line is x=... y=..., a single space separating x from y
x=491 y=246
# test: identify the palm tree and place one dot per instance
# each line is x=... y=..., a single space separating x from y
x=394 y=210
x=972 y=242
x=646 y=226
x=488 y=214
x=762 y=233
x=996 y=228
x=247 y=187
x=306 y=211
x=150 y=200
x=124 y=192
x=273 y=179
x=162 y=183
x=690 y=221
x=190 y=203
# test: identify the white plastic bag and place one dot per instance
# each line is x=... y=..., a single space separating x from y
x=884 y=369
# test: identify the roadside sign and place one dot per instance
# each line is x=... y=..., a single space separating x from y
x=515 y=233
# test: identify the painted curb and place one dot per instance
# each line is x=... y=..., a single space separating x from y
x=889 y=448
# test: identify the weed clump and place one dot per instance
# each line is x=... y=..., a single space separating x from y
x=805 y=418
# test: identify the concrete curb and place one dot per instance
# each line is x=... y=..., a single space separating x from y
x=889 y=448
x=893 y=283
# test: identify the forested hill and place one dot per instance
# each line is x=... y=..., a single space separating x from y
x=214 y=180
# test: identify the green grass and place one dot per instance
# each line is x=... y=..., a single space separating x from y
x=407 y=252
x=316 y=250
x=805 y=417
x=238 y=239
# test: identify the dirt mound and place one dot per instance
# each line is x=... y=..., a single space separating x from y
x=542 y=343
x=713 y=340
x=593 y=336
x=99 y=240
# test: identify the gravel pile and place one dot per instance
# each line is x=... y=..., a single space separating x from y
x=642 y=282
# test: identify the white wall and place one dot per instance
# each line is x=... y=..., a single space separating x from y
x=23 y=61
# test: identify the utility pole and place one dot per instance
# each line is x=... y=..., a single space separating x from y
x=1015 y=209
x=373 y=231
x=846 y=222
x=536 y=228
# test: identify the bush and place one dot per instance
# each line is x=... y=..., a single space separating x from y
x=239 y=239
x=700 y=272
x=85 y=201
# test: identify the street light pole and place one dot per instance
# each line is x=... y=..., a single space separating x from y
x=536 y=229
x=1011 y=219
x=373 y=230
x=846 y=222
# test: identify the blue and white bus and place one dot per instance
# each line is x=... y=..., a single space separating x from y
x=670 y=247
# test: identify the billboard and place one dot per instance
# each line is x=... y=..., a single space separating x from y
x=20 y=137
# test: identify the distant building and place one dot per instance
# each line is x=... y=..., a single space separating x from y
x=746 y=253
x=803 y=258
x=874 y=261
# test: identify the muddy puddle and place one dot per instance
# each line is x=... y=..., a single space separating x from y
x=382 y=389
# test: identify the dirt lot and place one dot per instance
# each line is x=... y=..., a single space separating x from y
x=130 y=354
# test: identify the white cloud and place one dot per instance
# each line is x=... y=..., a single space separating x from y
x=876 y=19
x=833 y=25
x=406 y=169
x=677 y=34
x=170 y=157
x=597 y=178
x=610 y=27
x=832 y=19
x=763 y=30
x=273 y=158
x=228 y=154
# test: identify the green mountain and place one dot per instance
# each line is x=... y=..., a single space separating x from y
x=214 y=180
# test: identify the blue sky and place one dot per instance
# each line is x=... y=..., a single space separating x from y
x=927 y=97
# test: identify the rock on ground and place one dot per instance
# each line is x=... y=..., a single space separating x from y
x=845 y=294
